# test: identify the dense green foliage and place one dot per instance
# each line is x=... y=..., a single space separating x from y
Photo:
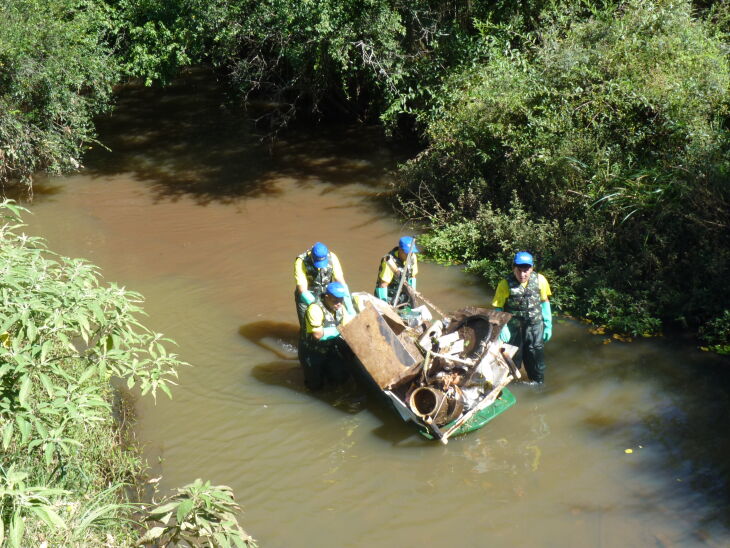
x=603 y=147
x=66 y=465
x=56 y=74
x=64 y=335
x=199 y=513
x=153 y=39
x=362 y=58
x=601 y=125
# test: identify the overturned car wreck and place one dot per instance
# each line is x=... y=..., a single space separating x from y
x=448 y=376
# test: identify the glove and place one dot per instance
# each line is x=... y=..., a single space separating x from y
x=547 y=321
x=307 y=297
x=382 y=293
x=348 y=302
x=330 y=333
x=412 y=282
x=348 y=305
x=505 y=335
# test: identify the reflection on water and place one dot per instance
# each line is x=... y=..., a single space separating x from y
x=190 y=209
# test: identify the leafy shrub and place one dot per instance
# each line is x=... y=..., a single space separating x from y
x=629 y=110
x=56 y=74
x=600 y=144
x=490 y=270
x=199 y=514
x=18 y=502
x=63 y=335
x=154 y=39
x=612 y=309
x=716 y=333
x=454 y=243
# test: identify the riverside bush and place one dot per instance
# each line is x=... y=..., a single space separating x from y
x=64 y=335
x=716 y=333
x=56 y=74
x=66 y=469
x=610 y=133
x=197 y=513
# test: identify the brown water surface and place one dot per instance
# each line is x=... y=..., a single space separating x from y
x=191 y=210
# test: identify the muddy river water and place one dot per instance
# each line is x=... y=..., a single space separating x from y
x=626 y=446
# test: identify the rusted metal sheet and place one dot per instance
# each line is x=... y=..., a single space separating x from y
x=378 y=348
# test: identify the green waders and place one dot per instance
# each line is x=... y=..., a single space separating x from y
x=324 y=361
x=527 y=337
x=526 y=325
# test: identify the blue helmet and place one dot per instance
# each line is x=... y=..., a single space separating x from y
x=336 y=289
x=320 y=255
x=523 y=257
x=405 y=244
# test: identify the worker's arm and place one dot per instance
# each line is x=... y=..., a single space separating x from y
x=414 y=271
x=500 y=297
x=325 y=333
x=385 y=276
x=315 y=319
x=547 y=312
x=337 y=273
x=300 y=278
x=544 y=286
x=414 y=268
x=547 y=320
x=339 y=276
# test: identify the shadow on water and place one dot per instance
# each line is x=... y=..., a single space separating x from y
x=354 y=396
x=189 y=140
x=280 y=338
x=347 y=398
x=683 y=423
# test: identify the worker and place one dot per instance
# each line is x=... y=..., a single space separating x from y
x=526 y=295
x=322 y=352
x=313 y=270
x=393 y=267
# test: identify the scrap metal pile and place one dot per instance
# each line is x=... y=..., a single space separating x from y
x=439 y=374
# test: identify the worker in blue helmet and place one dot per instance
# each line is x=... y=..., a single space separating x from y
x=526 y=295
x=313 y=270
x=322 y=352
x=399 y=262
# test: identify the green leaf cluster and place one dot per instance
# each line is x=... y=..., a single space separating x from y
x=63 y=336
x=716 y=333
x=601 y=144
x=200 y=514
x=56 y=74
x=366 y=59
x=17 y=501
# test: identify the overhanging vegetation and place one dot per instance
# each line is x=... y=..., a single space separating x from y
x=68 y=471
